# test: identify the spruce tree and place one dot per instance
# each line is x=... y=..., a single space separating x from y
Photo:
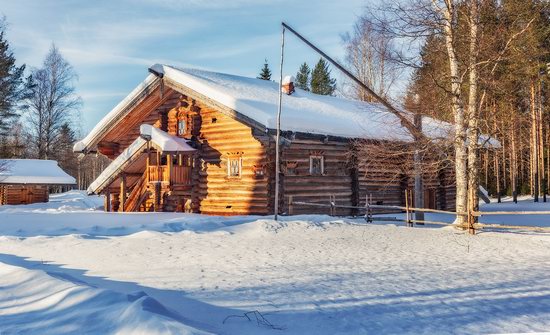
x=265 y=73
x=321 y=82
x=302 y=77
x=12 y=89
x=64 y=154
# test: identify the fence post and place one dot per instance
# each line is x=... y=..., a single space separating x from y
x=290 y=206
x=471 y=218
x=407 y=217
x=368 y=209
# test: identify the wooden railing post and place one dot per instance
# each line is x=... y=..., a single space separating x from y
x=169 y=163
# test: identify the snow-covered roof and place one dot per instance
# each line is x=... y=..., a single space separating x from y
x=159 y=139
x=33 y=171
x=116 y=113
x=164 y=141
x=301 y=112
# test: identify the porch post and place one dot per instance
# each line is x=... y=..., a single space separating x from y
x=169 y=163
x=107 y=204
x=122 y=192
x=148 y=162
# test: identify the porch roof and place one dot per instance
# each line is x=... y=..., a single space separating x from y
x=130 y=157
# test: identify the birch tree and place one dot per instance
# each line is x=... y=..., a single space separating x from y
x=368 y=56
x=53 y=102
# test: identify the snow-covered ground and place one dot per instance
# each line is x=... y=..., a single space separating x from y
x=65 y=266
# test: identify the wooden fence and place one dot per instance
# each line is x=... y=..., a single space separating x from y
x=470 y=215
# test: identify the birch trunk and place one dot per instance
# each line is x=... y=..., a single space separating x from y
x=460 y=147
x=473 y=111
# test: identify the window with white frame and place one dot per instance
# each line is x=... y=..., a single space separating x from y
x=181 y=127
x=234 y=166
x=316 y=165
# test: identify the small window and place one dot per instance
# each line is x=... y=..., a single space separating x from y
x=259 y=171
x=316 y=165
x=181 y=127
x=234 y=166
x=290 y=168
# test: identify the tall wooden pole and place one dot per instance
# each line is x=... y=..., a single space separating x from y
x=277 y=137
x=542 y=174
x=535 y=138
x=514 y=166
x=418 y=184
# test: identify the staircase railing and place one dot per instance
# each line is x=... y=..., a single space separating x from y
x=136 y=197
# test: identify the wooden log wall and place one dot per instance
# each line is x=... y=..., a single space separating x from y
x=297 y=181
x=220 y=137
x=385 y=184
x=23 y=194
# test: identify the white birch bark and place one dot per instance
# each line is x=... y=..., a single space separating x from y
x=449 y=15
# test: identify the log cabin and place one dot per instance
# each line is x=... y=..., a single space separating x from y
x=27 y=181
x=204 y=142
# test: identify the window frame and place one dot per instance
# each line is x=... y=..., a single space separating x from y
x=179 y=130
x=322 y=162
x=240 y=164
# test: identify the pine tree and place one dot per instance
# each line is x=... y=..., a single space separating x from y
x=12 y=89
x=265 y=73
x=64 y=149
x=321 y=82
x=302 y=77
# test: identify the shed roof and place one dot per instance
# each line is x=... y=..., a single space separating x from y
x=33 y=171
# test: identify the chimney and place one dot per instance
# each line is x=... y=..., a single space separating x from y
x=288 y=85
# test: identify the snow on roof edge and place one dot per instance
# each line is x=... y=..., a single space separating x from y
x=115 y=114
x=165 y=141
x=118 y=163
x=34 y=171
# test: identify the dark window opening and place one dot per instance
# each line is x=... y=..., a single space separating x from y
x=316 y=165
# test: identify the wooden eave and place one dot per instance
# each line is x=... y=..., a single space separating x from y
x=107 y=131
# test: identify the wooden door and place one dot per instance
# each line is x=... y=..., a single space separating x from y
x=27 y=195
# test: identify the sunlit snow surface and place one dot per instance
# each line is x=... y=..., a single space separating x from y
x=66 y=267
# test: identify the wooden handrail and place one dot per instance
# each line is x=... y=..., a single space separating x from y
x=478 y=213
x=135 y=194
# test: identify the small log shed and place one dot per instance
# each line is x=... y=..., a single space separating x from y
x=27 y=181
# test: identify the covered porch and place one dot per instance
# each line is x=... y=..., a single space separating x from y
x=155 y=173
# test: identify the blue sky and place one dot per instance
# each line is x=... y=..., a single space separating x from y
x=112 y=43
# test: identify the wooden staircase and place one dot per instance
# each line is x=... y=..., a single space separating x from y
x=139 y=194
